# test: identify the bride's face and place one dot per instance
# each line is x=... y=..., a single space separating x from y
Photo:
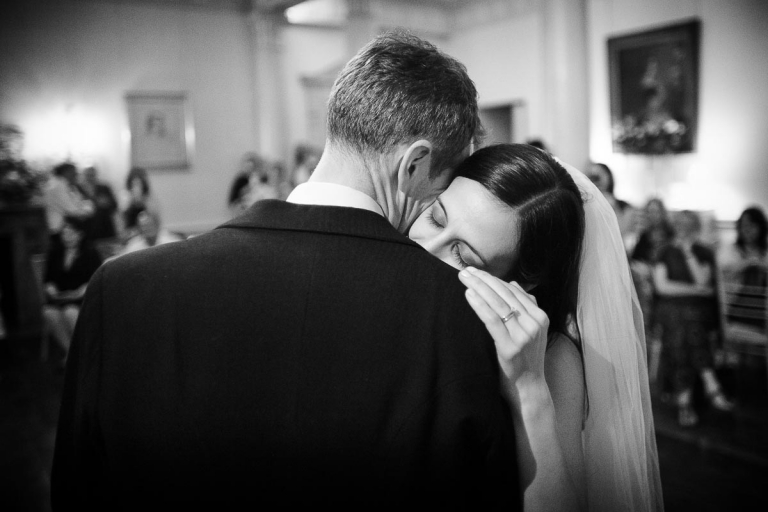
x=466 y=226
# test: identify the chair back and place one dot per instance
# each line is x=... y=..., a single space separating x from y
x=743 y=306
x=743 y=298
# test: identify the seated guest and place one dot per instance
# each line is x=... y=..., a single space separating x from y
x=102 y=224
x=239 y=194
x=684 y=280
x=656 y=232
x=264 y=183
x=257 y=179
x=747 y=260
x=602 y=176
x=64 y=199
x=71 y=263
x=149 y=233
x=306 y=158
x=139 y=198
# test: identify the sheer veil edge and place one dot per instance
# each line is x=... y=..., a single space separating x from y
x=620 y=455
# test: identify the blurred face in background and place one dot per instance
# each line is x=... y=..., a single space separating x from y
x=137 y=191
x=654 y=213
x=687 y=226
x=71 y=176
x=70 y=236
x=89 y=175
x=599 y=177
x=749 y=230
x=148 y=226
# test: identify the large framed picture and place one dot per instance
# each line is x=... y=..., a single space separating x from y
x=654 y=84
x=161 y=130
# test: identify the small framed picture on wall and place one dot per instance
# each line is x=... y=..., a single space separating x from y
x=161 y=130
x=654 y=86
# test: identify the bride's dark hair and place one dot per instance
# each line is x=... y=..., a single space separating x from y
x=551 y=215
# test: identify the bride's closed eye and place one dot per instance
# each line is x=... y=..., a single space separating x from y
x=457 y=256
x=455 y=249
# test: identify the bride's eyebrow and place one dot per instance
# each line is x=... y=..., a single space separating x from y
x=442 y=207
x=474 y=251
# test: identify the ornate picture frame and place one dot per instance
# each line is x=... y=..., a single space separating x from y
x=161 y=130
x=654 y=89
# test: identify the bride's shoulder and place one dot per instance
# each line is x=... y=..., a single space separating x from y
x=563 y=365
x=561 y=349
x=564 y=373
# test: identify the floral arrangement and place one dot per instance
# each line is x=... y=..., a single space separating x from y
x=653 y=138
x=19 y=184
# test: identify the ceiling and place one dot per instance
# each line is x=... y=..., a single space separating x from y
x=272 y=5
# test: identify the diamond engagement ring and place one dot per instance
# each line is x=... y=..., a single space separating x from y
x=512 y=314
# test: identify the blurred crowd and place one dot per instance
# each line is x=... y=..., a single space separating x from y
x=259 y=178
x=695 y=287
x=88 y=223
x=703 y=295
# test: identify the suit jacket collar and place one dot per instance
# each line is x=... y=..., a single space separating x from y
x=277 y=214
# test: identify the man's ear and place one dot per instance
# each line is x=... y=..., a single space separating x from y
x=413 y=173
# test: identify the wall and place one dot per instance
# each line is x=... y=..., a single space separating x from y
x=505 y=63
x=306 y=52
x=531 y=53
x=727 y=170
x=66 y=65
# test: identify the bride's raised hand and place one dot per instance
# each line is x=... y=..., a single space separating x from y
x=517 y=325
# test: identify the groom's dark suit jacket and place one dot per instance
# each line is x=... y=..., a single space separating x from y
x=297 y=355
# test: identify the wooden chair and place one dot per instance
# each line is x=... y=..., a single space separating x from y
x=743 y=319
x=642 y=276
x=38 y=262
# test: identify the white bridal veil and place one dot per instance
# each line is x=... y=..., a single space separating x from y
x=620 y=454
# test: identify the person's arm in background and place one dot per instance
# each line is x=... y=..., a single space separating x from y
x=72 y=203
x=110 y=201
x=669 y=288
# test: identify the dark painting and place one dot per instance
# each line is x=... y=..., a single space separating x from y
x=654 y=90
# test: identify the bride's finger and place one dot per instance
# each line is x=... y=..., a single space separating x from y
x=498 y=297
x=507 y=295
x=507 y=343
x=526 y=299
x=506 y=299
x=529 y=302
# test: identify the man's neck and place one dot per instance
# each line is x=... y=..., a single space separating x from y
x=374 y=178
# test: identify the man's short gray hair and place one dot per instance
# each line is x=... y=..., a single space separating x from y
x=399 y=89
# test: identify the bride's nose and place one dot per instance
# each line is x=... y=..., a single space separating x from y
x=434 y=244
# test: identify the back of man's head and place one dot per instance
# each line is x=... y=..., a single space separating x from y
x=399 y=89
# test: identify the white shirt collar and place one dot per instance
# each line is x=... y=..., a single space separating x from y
x=331 y=194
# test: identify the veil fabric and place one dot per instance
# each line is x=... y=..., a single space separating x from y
x=620 y=455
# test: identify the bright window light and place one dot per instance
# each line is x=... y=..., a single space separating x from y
x=318 y=12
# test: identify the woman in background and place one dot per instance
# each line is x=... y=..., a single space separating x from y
x=139 y=198
x=602 y=176
x=257 y=179
x=305 y=161
x=746 y=262
x=239 y=192
x=71 y=263
x=102 y=224
x=684 y=281
x=149 y=234
x=656 y=232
